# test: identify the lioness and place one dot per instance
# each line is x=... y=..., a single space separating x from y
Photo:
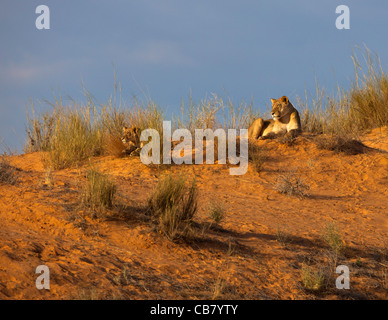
x=131 y=140
x=285 y=121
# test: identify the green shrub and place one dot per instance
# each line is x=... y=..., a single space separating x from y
x=333 y=238
x=312 y=279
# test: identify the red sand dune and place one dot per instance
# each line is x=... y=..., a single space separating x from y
x=243 y=259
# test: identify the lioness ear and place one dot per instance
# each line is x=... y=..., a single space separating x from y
x=285 y=99
x=125 y=128
x=273 y=101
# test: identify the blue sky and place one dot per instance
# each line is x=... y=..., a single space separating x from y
x=170 y=48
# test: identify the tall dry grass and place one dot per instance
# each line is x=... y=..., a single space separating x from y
x=98 y=193
x=72 y=133
x=174 y=204
x=349 y=112
x=213 y=113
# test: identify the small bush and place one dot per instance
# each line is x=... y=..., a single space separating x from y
x=257 y=157
x=174 y=205
x=287 y=139
x=7 y=172
x=217 y=211
x=333 y=238
x=48 y=178
x=282 y=236
x=340 y=144
x=98 y=193
x=291 y=184
x=312 y=279
x=124 y=278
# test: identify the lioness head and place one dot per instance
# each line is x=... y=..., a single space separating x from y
x=281 y=107
x=130 y=135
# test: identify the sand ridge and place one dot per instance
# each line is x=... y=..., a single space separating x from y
x=125 y=258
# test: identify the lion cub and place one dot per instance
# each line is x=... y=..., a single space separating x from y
x=131 y=140
x=285 y=121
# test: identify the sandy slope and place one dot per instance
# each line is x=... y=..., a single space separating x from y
x=243 y=259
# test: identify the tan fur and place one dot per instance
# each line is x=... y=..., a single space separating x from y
x=131 y=140
x=285 y=120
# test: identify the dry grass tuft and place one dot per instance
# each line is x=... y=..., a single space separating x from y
x=364 y=106
x=340 y=144
x=333 y=238
x=292 y=184
x=257 y=157
x=312 y=279
x=98 y=194
x=217 y=211
x=7 y=173
x=287 y=139
x=174 y=205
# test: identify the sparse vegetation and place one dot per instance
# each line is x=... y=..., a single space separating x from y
x=332 y=237
x=282 y=236
x=48 y=178
x=364 y=106
x=291 y=184
x=257 y=157
x=124 y=278
x=344 y=144
x=174 y=205
x=217 y=211
x=70 y=135
x=312 y=279
x=88 y=294
x=311 y=164
x=7 y=172
x=78 y=221
x=218 y=288
x=287 y=139
x=98 y=193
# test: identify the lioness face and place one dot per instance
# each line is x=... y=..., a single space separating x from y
x=279 y=107
x=130 y=135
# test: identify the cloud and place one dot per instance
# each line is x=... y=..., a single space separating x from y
x=161 y=53
x=28 y=70
x=16 y=72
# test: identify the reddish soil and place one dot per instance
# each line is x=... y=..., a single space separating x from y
x=246 y=257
